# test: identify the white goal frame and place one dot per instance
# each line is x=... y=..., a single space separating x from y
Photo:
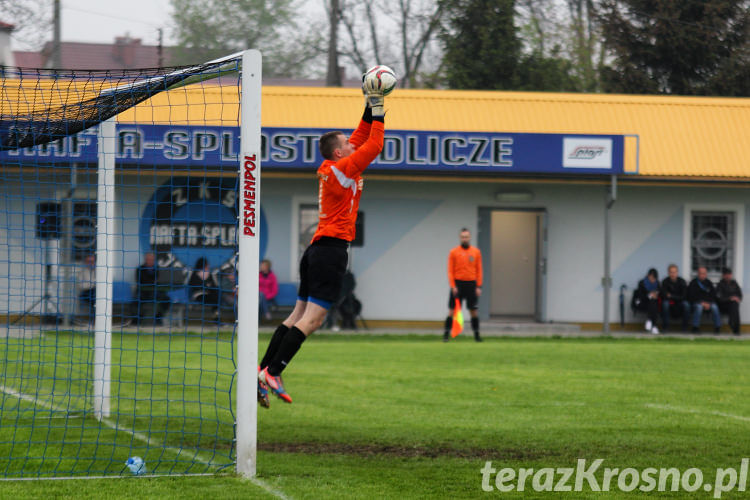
x=97 y=367
x=248 y=235
x=247 y=265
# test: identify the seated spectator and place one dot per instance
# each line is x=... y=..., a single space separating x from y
x=346 y=308
x=728 y=297
x=349 y=307
x=674 y=298
x=146 y=278
x=228 y=286
x=702 y=297
x=646 y=298
x=203 y=286
x=86 y=284
x=268 y=287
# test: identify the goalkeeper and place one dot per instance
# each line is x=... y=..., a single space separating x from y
x=324 y=262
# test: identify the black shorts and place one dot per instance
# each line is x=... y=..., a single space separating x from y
x=321 y=271
x=467 y=290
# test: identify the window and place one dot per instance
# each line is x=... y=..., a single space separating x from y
x=712 y=240
x=308 y=224
x=713 y=237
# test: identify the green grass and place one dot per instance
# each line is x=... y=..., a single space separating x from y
x=411 y=417
x=171 y=389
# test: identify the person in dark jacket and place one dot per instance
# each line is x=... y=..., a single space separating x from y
x=146 y=276
x=203 y=287
x=674 y=298
x=702 y=297
x=647 y=299
x=729 y=296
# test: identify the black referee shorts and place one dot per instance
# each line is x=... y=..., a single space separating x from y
x=467 y=291
x=321 y=271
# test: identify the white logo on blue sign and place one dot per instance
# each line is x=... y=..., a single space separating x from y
x=189 y=218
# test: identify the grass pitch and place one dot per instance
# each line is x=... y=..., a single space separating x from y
x=411 y=417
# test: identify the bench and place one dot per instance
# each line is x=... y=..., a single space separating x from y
x=674 y=311
x=122 y=302
x=182 y=309
x=285 y=300
x=181 y=306
x=122 y=306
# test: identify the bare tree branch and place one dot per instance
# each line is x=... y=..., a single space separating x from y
x=333 y=76
x=369 y=30
x=404 y=8
x=32 y=20
x=373 y=31
x=353 y=53
x=537 y=21
x=414 y=62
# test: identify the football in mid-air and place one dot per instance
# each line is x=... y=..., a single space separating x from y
x=380 y=77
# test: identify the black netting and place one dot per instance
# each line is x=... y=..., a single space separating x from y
x=77 y=100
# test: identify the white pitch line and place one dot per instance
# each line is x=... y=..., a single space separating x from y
x=697 y=412
x=138 y=436
x=30 y=399
x=268 y=488
x=154 y=444
x=86 y=478
x=112 y=425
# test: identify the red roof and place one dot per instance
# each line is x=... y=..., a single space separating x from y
x=28 y=59
x=6 y=26
x=125 y=53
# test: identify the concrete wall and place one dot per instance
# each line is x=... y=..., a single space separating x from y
x=411 y=226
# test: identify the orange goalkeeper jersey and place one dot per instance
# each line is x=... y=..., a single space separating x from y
x=465 y=264
x=340 y=183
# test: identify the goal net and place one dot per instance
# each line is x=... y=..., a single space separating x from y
x=119 y=249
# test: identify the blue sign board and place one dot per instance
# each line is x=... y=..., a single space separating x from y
x=159 y=146
x=191 y=218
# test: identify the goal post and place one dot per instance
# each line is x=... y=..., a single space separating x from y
x=105 y=221
x=130 y=245
x=249 y=256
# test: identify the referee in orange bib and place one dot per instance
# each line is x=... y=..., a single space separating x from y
x=465 y=278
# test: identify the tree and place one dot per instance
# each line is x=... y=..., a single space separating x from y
x=32 y=20
x=733 y=76
x=482 y=49
x=568 y=33
x=585 y=44
x=539 y=25
x=206 y=29
x=398 y=33
x=539 y=73
x=333 y=74
x=691 y=47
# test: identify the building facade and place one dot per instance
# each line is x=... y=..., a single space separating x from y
x=570 y=197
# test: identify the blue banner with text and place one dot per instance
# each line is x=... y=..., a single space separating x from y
x=170 y=146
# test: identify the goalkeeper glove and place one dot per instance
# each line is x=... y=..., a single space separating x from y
x=374 y=97
x=376 y=101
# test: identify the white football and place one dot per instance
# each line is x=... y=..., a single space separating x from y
x=380 y=77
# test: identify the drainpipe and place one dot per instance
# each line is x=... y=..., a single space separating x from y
x=607 y=279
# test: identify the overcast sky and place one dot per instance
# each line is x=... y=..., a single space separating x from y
x=103 y=20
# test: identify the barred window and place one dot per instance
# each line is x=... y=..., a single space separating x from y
x=712 y=241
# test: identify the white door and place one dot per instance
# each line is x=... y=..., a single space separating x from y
x=514 y=263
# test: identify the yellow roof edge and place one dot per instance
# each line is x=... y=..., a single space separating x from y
x=500 y=95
